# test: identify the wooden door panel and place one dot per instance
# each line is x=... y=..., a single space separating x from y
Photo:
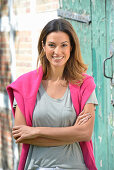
x=82 y=29
x=95 y=39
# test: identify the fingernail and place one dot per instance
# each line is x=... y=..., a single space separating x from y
x=89 y=116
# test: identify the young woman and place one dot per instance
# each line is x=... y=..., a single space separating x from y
x=55 y=105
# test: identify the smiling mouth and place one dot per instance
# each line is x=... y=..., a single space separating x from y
x=57 y=58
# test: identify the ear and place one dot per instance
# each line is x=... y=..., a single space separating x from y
x=43 y=46
x=70 y=48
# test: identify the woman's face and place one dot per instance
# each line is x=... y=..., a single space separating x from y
x=57 y=48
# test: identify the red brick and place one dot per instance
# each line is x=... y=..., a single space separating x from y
x=4 y=45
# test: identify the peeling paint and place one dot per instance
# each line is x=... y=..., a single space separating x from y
x=111 y=120
x=93 y=2
x=113 y=134
x=73 y=1
x=100 y=138
x=101 y=163
x=112 y=2
x=100 y=110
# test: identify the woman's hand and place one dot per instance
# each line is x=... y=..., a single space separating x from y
x=83 y=118
x=23 y=132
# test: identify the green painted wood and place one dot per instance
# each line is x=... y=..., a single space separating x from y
x=104 y=128
x=95 y=40
x=83 y=30
x=99 y=50
x=110 y=90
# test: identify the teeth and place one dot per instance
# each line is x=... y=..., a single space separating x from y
x=58 y=58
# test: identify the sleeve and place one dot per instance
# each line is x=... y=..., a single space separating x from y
x=87 y=89
x=92 y=98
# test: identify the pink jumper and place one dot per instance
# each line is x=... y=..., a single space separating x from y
x=25 y=90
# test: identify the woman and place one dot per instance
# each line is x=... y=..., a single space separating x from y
x=55 y=111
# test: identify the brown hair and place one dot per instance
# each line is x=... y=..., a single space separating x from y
x=75 y=67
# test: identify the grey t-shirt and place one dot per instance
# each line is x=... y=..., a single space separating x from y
x=49 y=112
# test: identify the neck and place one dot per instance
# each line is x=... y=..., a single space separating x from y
x=56 y=73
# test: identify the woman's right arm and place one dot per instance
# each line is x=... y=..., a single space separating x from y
x=19 y=117
x=26 y=134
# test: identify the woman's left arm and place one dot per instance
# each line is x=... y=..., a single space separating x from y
x=86 y=122
x=80 y=131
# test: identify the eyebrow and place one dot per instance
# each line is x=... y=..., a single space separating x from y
x=61 y=43
x=65 y=42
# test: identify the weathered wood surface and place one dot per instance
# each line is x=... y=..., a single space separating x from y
x=95 y=40
x=83 y=30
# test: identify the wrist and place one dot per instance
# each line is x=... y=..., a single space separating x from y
x=36 y=131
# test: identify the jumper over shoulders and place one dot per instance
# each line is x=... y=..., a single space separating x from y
x=25 y=89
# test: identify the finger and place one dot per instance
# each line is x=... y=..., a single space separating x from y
x=83 y=119
x=18 y=140
x=84 y=115
x=17 y=127
x=15 y=132
x=16 y=136
x=82 y=112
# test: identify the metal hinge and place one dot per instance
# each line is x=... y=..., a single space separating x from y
x=112 y=102
x=112 y=66
x=110 y=58
x=74 y=16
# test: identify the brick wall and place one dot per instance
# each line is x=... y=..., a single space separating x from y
x=21 y=7
x=5 y=74
x=3 y=7
x=23 y=49
x=6 y=152
x=25 y=41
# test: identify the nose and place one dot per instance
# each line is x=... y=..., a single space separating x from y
x=57 y=50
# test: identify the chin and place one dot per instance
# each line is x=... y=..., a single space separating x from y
x=58 y=65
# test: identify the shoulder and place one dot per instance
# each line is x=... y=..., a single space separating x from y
x=87 y=79
x=88 y=84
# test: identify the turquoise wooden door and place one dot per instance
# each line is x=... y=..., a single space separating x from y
x=83 y=29
x=93 y=21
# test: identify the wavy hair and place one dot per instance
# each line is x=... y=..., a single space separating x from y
x=75 y=67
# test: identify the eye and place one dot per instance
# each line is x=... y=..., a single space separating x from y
x=64 y=45
x=51 y=45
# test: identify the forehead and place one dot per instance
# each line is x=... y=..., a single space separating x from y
x=58 y=37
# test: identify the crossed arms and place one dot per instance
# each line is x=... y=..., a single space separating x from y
x=55 y=136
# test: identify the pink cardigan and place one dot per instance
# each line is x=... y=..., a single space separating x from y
x=25 y=90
